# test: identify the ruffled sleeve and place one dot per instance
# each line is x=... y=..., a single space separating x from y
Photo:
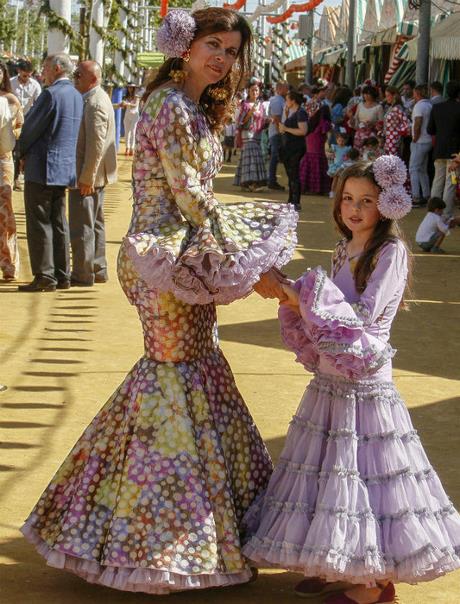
x=208 y=252
x=330 y=327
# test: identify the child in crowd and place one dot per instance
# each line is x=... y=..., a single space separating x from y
x=354 y=503
x=433 y=228
x=229 y=141
x=350 y=158
x=371 y=149
x=338 y=152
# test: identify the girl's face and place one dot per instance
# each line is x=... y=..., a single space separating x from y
x=359 y=205
x=341 y=141
x=212 y=56
x=389 y=97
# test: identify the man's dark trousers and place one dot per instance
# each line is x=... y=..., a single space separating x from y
x=47 y=231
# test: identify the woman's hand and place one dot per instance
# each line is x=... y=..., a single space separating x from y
x=291 y=297
x=282 y=127
x=270 y=285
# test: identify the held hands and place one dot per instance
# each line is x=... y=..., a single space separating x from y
x=291 y=298
x=270 y=285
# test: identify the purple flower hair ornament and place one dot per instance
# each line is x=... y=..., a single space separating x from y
x=176 y=33
x=394 y=202
x=389 y=170
x=390 y=173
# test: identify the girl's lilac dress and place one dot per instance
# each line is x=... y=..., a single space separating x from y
x=353 y=496
x=152 y=495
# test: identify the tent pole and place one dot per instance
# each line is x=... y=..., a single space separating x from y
x=351 y=44
x=423 y=46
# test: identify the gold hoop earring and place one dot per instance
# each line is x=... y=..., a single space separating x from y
x=177 y=75
x=186 y=56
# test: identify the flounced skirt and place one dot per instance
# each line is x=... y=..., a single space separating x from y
x=354 y=497
x=152 y=495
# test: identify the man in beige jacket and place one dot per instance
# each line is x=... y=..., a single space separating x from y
x=96 y=167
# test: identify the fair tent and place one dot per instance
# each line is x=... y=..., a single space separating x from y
x=445 y=41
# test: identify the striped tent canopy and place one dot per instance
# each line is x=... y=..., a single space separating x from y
x=445 y=41
x=390 y=35
x=330 y=56
x=328 y=30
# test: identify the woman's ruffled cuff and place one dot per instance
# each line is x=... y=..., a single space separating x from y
x=211 y=267
x=336 y=332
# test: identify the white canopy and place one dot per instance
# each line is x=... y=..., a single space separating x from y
x=445 y=41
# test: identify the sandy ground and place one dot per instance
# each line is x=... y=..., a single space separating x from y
x=62 y=354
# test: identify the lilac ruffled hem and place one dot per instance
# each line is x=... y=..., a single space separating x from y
x=212 y=274
x=328 y=326
x=425 y=565
x=151 y=581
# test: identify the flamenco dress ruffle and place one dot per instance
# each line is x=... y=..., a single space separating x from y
x=220 y=260
x=152 y=496
x=353 y=497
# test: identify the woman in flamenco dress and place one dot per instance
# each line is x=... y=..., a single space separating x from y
x=152 y=495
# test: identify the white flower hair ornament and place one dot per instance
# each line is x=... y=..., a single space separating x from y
x=176 y=33
x=390 y=173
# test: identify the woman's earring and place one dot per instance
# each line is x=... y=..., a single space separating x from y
x=186 y=56
x=177 y=75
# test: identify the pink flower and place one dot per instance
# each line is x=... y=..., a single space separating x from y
x=176 y=33
x=389 y=170
x=394 y=202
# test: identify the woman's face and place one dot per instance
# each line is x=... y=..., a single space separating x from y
x=389 y=97
x=254 y=93
x=212 y=56
x=368 y=98
x=358 y=206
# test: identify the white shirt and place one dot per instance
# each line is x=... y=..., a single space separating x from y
x=422 y=109
x=27 y=93
x=430 y=225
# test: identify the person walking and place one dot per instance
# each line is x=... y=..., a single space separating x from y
x=96 y=167
x=152 y=496
x=27 y=90
x=131 y=106
x=396 y=123
x=314 y=178
x=444 y=125
x=293 y=131
x=251 y=174
x=420 y=147
x=275 y=114
x=10 y=122
x=48 y=146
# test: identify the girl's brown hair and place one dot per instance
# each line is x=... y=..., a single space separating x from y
x=395 y=94
x=210 y=21
x=385 y=231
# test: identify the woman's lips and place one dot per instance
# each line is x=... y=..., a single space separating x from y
x=216 y=70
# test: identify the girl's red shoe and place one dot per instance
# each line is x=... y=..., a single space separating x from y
x=387 y=596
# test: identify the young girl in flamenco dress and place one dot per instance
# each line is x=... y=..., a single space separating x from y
x=354 y=503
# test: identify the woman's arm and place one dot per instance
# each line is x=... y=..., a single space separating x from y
x=300 y=131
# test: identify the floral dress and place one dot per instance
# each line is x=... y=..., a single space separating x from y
x=152 y=496
x=396 y=126
x=353 y=497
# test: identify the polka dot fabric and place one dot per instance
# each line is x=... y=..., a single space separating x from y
x=152 y=496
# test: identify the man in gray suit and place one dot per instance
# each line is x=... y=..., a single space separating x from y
x=96 y=167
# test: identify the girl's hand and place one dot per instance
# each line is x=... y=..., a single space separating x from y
x=291 y=297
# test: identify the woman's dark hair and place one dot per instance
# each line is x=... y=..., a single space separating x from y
x=395 y=94
x=342 y=96
x=386 y=230
x=5 y=85
x=453 y=90
x=323 y=112
x=296 y=97
x=371 y=91
x=209 y=21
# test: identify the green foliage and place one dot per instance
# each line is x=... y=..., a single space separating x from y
x=6 y=25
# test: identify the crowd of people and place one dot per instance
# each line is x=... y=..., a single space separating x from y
x=56 y=140
x=318 y=131
x=171 y=487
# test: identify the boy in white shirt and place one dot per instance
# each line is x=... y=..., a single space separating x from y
x=433 y=228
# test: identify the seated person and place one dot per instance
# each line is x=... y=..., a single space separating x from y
x=433 y=228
